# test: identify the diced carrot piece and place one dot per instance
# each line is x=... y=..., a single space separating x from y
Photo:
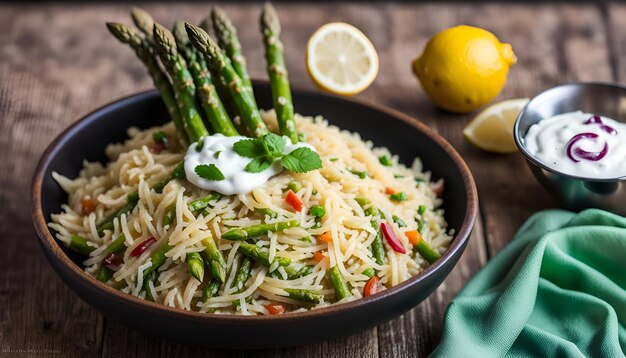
x=318 y=256
x=275 y=308
x=326 y=237
x=87 y=206
x=389 y=191
x=293 y=200
x=371 y=287
x=414 y=237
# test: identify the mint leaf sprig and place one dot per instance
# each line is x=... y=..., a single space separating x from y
x=209 y=172
x=266 y=149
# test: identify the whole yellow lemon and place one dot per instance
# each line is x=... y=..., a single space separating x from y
x=463 y=68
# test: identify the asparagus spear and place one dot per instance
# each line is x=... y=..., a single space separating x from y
x=169 y=216
x=133 y=198
x=107 y=223
x=377 y=247
x=184 y=89
x=220 y=66
x=303 y=295
x=266 y=211
x=210 y=290
x=341 y=288
x=209 y=100
x=279 y=81
x=157 y=259
x=426 y=251
x=104 y=274
x=203 y=202
x=257 y=230
x=228 y=40
x=145 y=53
x=254 y=252
x=80 y=245
x=243 y=273
x=115 y=247
x=294 y=272
x=152 y=276
x=214 y=257
x=220 y=83
x=195 y=264
x=177 y=173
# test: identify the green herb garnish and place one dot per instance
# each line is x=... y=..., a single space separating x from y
x=209 y=172
x=301 y=160
x=265 y=150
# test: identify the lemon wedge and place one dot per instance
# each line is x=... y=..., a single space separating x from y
x=340 y=59
x=492 y=129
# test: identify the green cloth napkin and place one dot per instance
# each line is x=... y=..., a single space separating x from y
x=557 y=290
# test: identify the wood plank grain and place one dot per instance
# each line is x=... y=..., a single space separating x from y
x=617 y=33
x=39 y=316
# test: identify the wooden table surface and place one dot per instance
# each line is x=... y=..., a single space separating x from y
x=57 y=62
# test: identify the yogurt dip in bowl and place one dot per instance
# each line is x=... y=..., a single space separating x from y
x=581 y=144
x=574 y=139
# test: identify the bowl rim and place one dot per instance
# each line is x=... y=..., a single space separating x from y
x=531 y=158
x=50 y=244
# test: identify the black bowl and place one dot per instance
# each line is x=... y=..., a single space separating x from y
x=403 y=135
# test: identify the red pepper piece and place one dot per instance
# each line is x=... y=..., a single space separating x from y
x=371 y=287
x=141 y=248
x=391 y=238
x=112 y=261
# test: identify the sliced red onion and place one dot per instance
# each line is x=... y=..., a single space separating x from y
x=592 y=156
x=598 y=120
x=581 y=153
x=610 y=130
x=594 y=120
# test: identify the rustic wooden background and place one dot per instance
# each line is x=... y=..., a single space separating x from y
x=57 y=62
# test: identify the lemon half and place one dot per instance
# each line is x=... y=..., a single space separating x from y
x=492 y=129
x=341 y=59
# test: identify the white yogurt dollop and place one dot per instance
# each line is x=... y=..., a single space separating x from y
x=217 y=149
x=580 y=144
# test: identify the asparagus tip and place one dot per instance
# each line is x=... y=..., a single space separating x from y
x=180 y=34
x=142 y=19
x=221 y=21
x=122 y=32
x=202 y=41
x=270 y=25
x=164 y=39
